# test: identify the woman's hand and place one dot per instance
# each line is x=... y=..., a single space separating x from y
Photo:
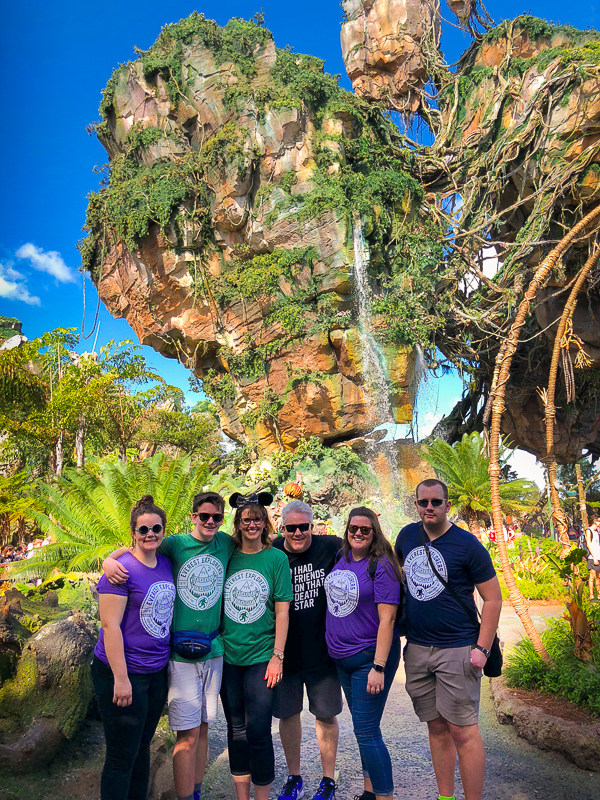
x=274 y=672
x=122 y=692
x=375 y=682
x=115 y=572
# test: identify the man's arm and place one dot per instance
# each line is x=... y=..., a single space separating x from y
x=115 y=572
x=490 y=616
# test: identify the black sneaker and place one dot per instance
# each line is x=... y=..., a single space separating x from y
x=293 y=789
x=326 y=790
x=365 y=796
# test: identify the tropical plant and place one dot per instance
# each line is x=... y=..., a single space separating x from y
x=87 y=515
x=15 y=506
x=463 y=467
x=571 y=570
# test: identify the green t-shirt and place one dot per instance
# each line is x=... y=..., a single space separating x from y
x=199 y=572
x=254 y=583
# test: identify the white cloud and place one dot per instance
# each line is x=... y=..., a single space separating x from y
x=50 y=262
x=527 y=467
x=14 y=287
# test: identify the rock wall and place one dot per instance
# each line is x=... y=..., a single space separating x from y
x=243 y=267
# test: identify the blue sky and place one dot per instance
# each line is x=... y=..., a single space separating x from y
x=56 y=57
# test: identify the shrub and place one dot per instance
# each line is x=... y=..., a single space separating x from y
x=567 y=676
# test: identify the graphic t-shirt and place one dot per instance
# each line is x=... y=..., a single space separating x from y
x=146 y=623
x=352 y=597
x=199 y=572
x=306 y=648
x=434 y=617
x=254 y=583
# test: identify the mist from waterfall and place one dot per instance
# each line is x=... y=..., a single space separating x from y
x=373 y=371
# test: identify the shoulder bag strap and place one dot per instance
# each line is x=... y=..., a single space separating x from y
x=445 y=584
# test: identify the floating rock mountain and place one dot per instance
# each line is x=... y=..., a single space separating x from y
x=224 y=236
x=244 y=183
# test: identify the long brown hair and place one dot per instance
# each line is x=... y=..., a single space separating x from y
x=381 y=549
x=145 y=505
x=260 y=513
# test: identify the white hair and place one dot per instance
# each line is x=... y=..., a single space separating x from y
x=296 y=506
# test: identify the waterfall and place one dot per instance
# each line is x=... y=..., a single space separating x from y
x=373 y=371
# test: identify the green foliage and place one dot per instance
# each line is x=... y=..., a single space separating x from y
x=261 y=274
x=463 y=467
x=143 y=136
x=138 y=196
x=88 y=515
x=310 y=454
x=566 y=676
x=219 y=386
x=267 y=409
x=185 y=432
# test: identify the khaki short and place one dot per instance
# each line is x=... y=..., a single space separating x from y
x=441 y=682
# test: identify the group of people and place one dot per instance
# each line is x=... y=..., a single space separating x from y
x=262 y=622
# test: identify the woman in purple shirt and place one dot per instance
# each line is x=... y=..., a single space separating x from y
x=129 y=670
x=363 y=594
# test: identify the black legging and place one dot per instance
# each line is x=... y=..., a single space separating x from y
x=248 y=707
x=128 y=730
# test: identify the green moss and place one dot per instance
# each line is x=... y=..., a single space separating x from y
x=267 y=409
x=143 y=136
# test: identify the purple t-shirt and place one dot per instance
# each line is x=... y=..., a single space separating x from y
x=352 y=597
x=146 y=623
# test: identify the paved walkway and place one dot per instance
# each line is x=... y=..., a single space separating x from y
x=515 y=769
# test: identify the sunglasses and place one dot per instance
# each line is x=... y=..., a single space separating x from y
x=304 y=526
x=144 y=530
x=436 y=503
x=218 y=518
x=364 y=529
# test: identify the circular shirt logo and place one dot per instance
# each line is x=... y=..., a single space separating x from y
x=245 y=595
x=420 y=579
x=341 y=587
x=200 y=582
x=156 y=611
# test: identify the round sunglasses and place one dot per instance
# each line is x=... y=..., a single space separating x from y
x=144 y=530
x=436 y=503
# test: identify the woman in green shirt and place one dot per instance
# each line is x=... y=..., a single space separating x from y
x=257 y=595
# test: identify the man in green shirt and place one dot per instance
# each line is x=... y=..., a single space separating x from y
x=199 y=560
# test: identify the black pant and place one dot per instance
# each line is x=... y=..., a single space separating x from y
x=128 y=730
x=248 y=707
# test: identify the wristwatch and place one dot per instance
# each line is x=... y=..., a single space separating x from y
x=486 y=653
x=378 y=668
x=279 y=656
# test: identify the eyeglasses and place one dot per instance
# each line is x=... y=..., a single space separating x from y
x=218 y=518
x=364 y=529
x=248 y=522
x=436 y=503
x=144 y=530
x=303 y=526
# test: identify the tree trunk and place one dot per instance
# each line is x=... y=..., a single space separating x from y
x=59 y=458
x=474 y=526
x=582 y=503
x=497 y=395
x=123 y=453
x=80 y=442
x=560 y=344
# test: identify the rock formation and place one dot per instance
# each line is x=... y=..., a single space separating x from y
x=254 y=166
x=45 y=684
x=245 y=187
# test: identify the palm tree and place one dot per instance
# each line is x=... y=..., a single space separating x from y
x=464 y=468
x=87 y=515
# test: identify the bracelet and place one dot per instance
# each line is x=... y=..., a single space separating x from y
x=278 y=655
x=379 y=662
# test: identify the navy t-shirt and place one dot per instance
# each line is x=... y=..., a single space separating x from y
x=434 y=617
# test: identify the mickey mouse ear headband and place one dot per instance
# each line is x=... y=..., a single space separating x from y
x=238 y=500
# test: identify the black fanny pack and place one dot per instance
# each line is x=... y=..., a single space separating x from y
x=192 y=644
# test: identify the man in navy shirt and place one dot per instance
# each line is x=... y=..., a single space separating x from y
x=446 y=650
